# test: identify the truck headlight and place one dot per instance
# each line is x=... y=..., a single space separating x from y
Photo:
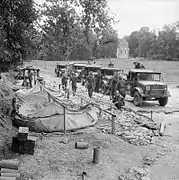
x=147 y=88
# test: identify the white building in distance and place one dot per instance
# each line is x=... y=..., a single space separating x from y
x=123 y=49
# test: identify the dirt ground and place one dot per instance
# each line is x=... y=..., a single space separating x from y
x=56 y=158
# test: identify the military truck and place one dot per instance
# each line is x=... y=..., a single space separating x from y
x=145 y=85
x=78 y=69
x=89 y=68
x=59 y=69
x=107 y=74
x=93 y=68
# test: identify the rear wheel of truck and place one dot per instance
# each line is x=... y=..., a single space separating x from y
x=163 y=101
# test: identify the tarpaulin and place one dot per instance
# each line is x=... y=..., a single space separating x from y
x=40 y=115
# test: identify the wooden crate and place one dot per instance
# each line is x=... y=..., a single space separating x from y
x=23 y=146
x=23 y=133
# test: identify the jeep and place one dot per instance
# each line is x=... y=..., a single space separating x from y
x=107 y=74
x=59 y=69
x=145 y=85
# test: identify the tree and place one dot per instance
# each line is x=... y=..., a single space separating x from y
x=66 y=28
x=95 y=17
x=15 y=18
x=108 y=43
x=60 y=27
x=165 y=45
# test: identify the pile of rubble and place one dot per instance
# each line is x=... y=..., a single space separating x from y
x=133 y=127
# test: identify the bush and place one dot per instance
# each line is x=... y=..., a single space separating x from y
x=169 y=58
x=157 y=56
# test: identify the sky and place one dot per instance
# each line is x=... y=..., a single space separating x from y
x=134 y=14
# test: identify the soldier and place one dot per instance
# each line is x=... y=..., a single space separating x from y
x=139 y=65
x=14 y=110
x=30 y=77
x=110 y=64
x=97 y=82
x=118 y=100
x=73 y=83
x=64 y=81
x=120 y=86
x=113 y=85
x=90 y=84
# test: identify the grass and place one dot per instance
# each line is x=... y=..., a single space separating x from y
x=169 y=69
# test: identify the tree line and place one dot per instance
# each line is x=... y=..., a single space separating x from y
x=56 y=30
x=74 y=29
x=163 y=45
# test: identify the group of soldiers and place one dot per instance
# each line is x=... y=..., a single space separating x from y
x=90 y=83
x=117 y=86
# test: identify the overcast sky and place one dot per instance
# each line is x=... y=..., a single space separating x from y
x=134 y=14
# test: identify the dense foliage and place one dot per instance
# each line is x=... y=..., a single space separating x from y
x=147 y=44
x=16 y=17
x=76 y=30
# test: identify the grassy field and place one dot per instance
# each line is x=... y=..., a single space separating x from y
x=169 y=69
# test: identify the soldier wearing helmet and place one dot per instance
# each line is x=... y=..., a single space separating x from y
x=64 y=81
x=90 y=84
x=113 y=85
x=120 y=86
x=73 y=83
x=97 y=81
x=118 y=100
x=139 y=65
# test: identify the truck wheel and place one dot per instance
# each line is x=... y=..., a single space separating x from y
x=103 y=88
x=163 y=101
x=138 y=100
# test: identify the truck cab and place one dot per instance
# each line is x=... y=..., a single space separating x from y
x=145 y=85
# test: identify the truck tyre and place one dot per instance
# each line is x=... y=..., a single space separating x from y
x=103 y=88
x=138 y=100
x=163 y=101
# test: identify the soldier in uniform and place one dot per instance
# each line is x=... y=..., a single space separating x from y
x=110 y=65
x=30 y=77
x=139 y=65
x=120 y=86
x=64 y=81
x=90 y=84
x=97 y=82
x=118 y=100
x=113 y=85
x=73 y=83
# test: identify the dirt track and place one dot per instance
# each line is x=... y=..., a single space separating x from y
x=56 y=158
